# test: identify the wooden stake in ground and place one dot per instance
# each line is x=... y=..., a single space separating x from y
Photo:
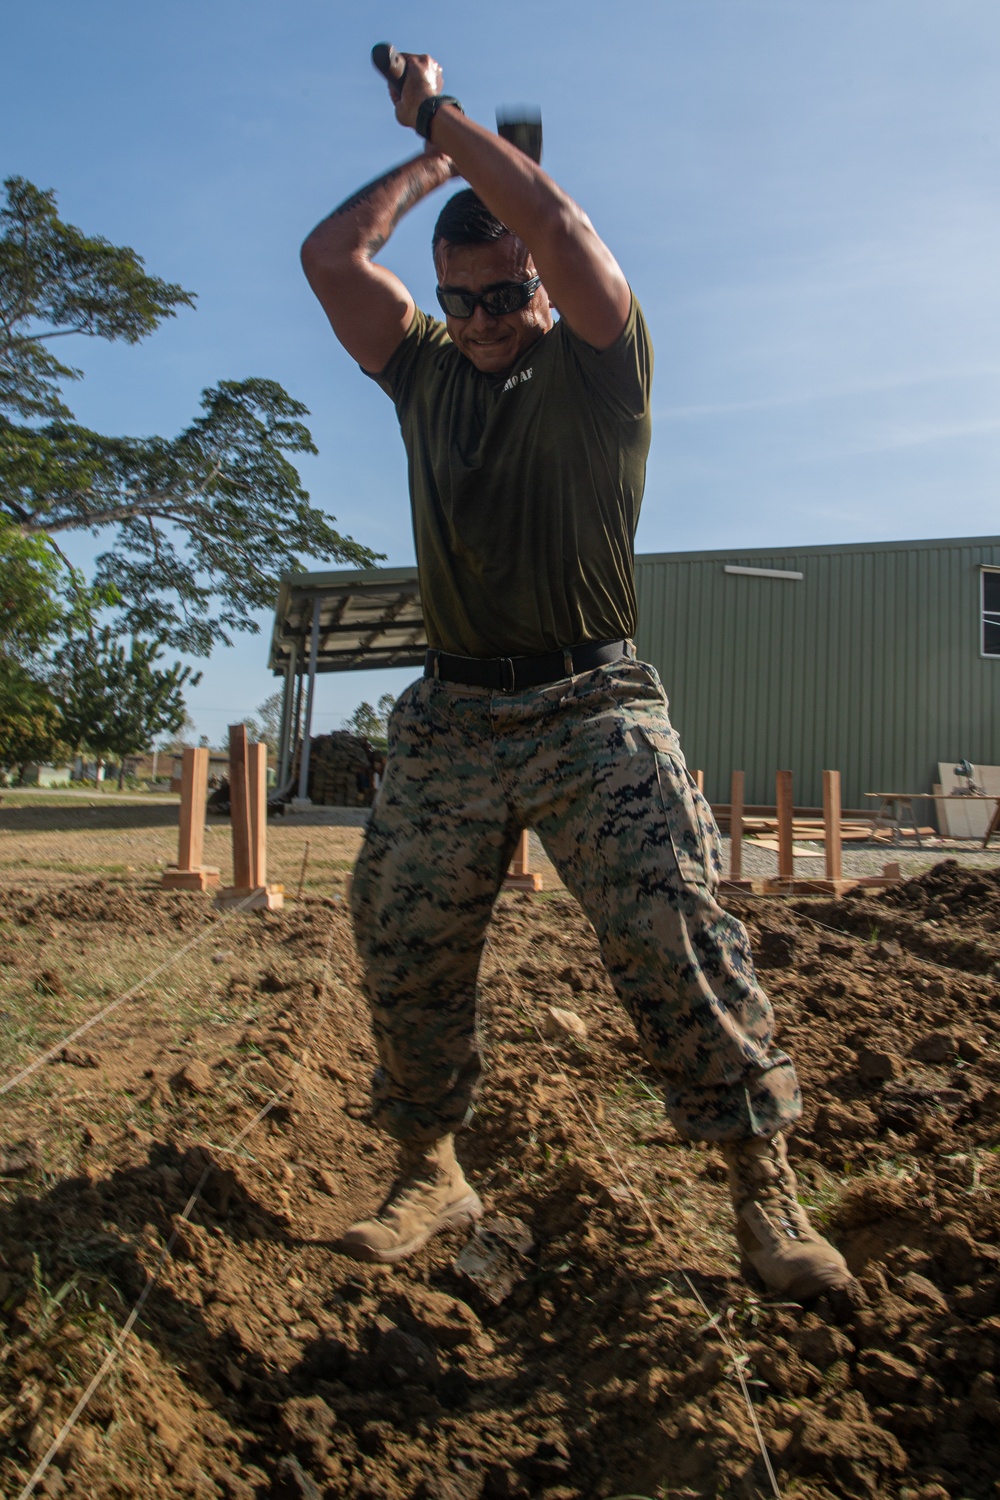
x=519 y=876
x=736 y=825
x=783 y=801
x=257 y=790
x=734 y=880
x=189 y=874
x=831 y=825
x=248 y=815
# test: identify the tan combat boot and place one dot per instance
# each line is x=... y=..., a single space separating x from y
x=773 y=1232
x=430 y=1193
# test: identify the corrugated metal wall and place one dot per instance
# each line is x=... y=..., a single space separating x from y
x=870 y=665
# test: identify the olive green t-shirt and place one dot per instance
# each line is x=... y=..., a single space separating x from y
x=525 y=487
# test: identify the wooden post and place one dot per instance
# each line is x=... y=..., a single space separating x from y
x=519 y=876
x=189 y=874
x=194 y=779
x=699 y=781
x=833 y=847
x=248 y=815
x=783 y=800
x=239 y=808
x=736 y=825
x=257 y=779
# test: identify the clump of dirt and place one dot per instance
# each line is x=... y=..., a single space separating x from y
x=263 y=1364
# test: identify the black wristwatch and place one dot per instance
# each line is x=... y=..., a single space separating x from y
x=427 y=111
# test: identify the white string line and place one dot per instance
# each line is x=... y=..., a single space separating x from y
x=639 y=1197
x=122 y=1120
x=129 y=994
x=167 y=1251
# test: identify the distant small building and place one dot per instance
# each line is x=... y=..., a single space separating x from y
x=218 y=767
x=45 y=775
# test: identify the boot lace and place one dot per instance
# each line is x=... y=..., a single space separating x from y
x=766 y=1180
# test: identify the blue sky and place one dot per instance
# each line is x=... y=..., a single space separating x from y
x=803 y=193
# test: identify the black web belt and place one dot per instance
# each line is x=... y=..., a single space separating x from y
x=509 y=674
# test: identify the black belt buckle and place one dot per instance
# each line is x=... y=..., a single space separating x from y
x=507 y=678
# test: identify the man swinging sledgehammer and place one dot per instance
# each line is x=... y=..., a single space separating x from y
x=527 y=440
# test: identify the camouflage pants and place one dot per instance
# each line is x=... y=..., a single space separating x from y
x=593 y=765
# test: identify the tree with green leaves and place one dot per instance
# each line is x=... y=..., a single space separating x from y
x=31 y=729
x=372 y=724
x=201 y=525
x=34 y=611
x=112 y=701
x=181 y=737
x=266 y=724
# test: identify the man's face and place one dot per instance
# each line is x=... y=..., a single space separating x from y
x=493 y=344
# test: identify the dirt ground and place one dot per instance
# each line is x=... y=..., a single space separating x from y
x=262 y=1364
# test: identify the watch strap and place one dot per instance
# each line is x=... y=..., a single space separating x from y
x=428 y=109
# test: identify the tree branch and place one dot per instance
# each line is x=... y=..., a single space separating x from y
x=39 y=338
x=148 y=506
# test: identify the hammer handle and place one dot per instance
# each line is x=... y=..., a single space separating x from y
x=389 y=62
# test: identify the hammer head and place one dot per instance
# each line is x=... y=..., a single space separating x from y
x=521 y=124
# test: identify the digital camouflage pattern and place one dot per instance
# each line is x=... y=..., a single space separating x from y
x=593 y=765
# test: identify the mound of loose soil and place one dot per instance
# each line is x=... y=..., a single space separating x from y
x=265 y=1365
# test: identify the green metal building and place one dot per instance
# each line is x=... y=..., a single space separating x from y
x=875 y=659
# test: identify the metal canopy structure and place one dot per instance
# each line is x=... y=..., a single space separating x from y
x=338 y=622
x=368 y=617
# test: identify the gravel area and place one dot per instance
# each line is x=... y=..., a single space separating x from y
x=867 y=859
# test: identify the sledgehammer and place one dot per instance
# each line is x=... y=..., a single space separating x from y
x=522 y=126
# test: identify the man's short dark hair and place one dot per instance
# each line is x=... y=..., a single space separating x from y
x=465 y=220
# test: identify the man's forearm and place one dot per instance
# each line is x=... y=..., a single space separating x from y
x=511 y=185
x=364 y=221
x=580 y=274
x=369 y=308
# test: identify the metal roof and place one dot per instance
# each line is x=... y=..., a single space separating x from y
x=369 y=617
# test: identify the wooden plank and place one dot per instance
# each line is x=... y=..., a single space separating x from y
x=189 y=874
x=521 y=865
x=202 y=879
x=805 y=814
x=736 y=785
x=192 y=828
x=255 y=898
x=239 y=803
x=257 y=786
x=831 y=825
x=199 y=795
x=784 y=804
x=799 y=851
x=519 y=876
x=699 y=781
x=807 y=886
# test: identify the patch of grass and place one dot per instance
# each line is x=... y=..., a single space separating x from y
x=631 y=1104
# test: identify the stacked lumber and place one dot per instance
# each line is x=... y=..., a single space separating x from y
x=805 y=831
x=342 y=770
x=855 y=827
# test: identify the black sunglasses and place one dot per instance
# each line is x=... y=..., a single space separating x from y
x=505 y=297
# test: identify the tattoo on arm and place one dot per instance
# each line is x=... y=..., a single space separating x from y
x=400 y=188
x=363 y=194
